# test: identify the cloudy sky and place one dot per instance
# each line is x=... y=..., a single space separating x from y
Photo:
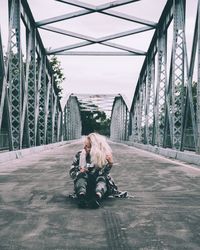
x=97 y=74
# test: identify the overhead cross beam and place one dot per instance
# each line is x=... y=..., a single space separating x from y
x=88 y=10
x=102 y=9
x=91 y=40
x=109 y=44
x=97 y=8
x=93 y=102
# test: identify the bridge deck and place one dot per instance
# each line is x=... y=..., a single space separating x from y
x=36 y=213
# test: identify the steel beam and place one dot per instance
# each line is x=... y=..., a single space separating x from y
x=119 y=120
x=72 y=119
x=198 y=83
x=178 y=72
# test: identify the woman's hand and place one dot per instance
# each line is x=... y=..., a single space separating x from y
x=109 y=158
x=83 y=169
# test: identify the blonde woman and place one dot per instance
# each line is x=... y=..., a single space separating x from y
x=90 y=171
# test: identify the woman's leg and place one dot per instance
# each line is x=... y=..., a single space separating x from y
x=80 y=184
x=101 y=186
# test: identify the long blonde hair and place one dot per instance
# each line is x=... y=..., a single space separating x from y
x=99 y=149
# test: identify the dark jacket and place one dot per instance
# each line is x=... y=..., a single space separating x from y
x=92 y=171
x=74 y=169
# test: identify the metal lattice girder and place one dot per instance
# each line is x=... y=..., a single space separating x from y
x=178 y=72
x=167 y=110
x=50 y=129
x=134 y=117
x=150 y=97
x=26 y=101
x=138 y=115
x=189 y=101
x=198 y=86
x=119 y=119
x=54 y=118
x=4 y=99
x=59 y=128
x=15 y=73
x=51 y=112
x=29 y=93
x=41 y=97
x=27 y=87
x=95 y=102
x=160 y=89
x=72 y=119
x=140 y=118
x=146 y=101
x=143 y=105
x=115 y=130
x=3 y=81
x=173 y=108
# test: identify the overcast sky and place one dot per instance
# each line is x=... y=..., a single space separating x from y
x=92 y=74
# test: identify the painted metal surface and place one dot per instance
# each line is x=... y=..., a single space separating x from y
x=166 y=104
x=169 y=94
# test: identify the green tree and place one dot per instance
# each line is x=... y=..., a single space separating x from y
x=95 y=121
x=58 y=74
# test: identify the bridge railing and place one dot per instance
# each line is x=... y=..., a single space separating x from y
x=166 y=106
x=30 y=110
x=119 y=128
x=72 y=119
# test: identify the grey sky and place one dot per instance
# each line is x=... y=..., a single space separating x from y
x=98 y=75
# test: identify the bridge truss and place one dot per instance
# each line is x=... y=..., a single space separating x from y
x=165 y=110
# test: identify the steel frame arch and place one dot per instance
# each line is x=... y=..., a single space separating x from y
x=170 y=115
x=160 y=105
x=119 y=128
x=72 y=119
x=29 y=102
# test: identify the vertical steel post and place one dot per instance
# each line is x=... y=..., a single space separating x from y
x=150 y=97
x=15 y=72
x=198 y=85
x=178 y=72
x=159 y=115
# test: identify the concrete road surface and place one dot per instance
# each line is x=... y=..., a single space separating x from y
x=162 y=211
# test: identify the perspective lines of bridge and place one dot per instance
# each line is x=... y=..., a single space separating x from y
x=162 y=210
x=164 y=110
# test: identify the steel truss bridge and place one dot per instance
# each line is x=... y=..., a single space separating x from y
x=165 y=109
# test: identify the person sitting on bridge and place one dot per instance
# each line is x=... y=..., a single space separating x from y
x=90 y=171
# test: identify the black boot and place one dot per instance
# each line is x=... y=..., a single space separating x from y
x=95 y=203
x=82 y=200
